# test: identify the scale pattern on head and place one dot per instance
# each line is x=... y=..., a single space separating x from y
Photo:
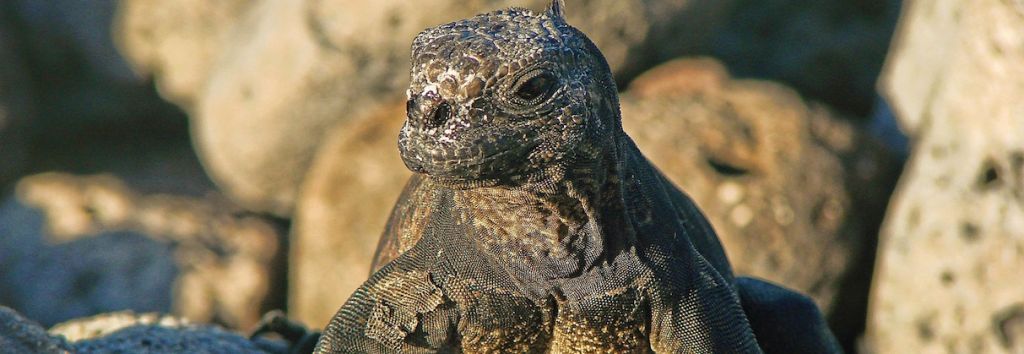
x=507 y=98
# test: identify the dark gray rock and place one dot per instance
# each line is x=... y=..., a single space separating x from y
x=158 y=339
x=21 y=335
x=125 y=333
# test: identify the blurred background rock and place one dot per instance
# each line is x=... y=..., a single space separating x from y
x=952 y=248
x=216 y=159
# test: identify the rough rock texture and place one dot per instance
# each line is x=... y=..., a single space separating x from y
x=288 y=70
x=128 y=332
x=15 y=108
x=124 y=332
x=344 y=205
x=795 y=193
x=827 y=50
x=21 y=335
x=76 y=246
x=954 y=234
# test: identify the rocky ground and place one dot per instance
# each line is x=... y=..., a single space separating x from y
x=216 y=160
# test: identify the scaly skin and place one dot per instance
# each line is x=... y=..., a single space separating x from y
x=534 y=224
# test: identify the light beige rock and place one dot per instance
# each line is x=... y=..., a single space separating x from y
x=292 y=69
x=951 y=258
x=105 y=324
x=177 y=42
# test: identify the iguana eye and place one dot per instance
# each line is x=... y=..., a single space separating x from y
x=535 y=87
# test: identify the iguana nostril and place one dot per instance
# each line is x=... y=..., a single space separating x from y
x=410 y=106
x=441 y=114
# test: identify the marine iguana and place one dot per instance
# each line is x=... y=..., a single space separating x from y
x=534 y=224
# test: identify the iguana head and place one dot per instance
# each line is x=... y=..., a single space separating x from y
x=507 y=98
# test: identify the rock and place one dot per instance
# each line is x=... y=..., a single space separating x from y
x=795 y=192
x=344 y=206
x=827 y=50
x=177 y=42
x=104 y=324
x=16 y=108
x=86 y=111
x=285 y=71
x=77 y=246
x=21 y=335
x=952 y=247
x=128 y=332
x=124 y=332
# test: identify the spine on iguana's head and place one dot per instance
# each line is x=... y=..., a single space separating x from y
x=507 y=98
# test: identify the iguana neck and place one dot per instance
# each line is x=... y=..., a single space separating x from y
x=557 y=228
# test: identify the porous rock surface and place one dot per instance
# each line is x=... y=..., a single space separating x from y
x=264 y=80
x=76 y=246
x=21 y=335
x=124 y=332
x=951 y=252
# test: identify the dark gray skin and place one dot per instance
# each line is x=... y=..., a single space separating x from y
x=534 y=224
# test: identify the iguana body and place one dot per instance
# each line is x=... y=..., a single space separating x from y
x=534 y=224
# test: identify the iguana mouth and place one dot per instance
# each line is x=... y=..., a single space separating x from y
x=478 y=160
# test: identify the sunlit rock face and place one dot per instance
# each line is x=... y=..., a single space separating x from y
x=952 y=248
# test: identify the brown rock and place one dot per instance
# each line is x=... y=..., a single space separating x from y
x=794 y=192
x=355 y=181
x=292 y=69
x=76 y=246
x=952 y=248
